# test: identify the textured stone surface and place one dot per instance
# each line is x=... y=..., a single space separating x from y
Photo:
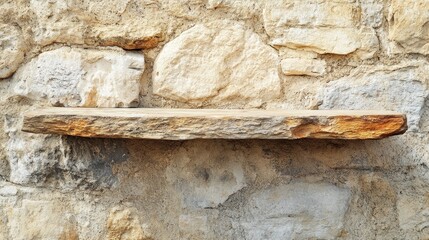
x=57 y=220
x=124 y=224
x=11 y=49
x=209 y=181
x=216 y=62
x=54 y=187
x=81 y=77
x=298 y=66
x=177 y=124
x=288 y=211
x=402 y=90
x=322 y=27
x=409 y=25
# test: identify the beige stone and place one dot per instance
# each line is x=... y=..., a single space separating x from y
x=83 y=77
x=221 y=61
x=42 y=220
x=282 y=14
x=124 y=224
x=319 y=26
x=320 y=40
x=298 y=66
x=11 y=49
x=180 y=124
x=409 y=25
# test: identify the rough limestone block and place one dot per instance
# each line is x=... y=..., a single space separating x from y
x=176 y=124
x=397 y=88
x=298 y=66
x=296 y=211
x=409 y=25
x=11 y=49
x=83 y=77
x=218 y=62
x=322 y=27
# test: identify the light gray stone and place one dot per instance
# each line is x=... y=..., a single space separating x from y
x=399 y=88
x=205 y=176
x=82 y=77
x=219 y=61
x=296 y=211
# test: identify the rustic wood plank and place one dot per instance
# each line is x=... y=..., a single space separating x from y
x=180 y=124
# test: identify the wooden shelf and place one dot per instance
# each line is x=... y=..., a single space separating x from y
x=181 y=124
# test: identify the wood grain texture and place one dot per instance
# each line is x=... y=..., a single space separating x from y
x=181 y=124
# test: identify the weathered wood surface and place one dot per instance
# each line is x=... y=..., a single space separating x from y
x=180 y=124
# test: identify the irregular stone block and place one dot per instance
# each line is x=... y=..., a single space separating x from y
x=319 y=26
x=83 y=77
x=124 y=224
x=296 y=211
x=220 y=61
x=179 y=124
x=409 y=25
x=298 y=66
x=56 y=219
x=397 y=88
x=205 y=175
x=12 y=49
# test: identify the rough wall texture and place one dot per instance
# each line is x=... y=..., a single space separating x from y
x=271 y=54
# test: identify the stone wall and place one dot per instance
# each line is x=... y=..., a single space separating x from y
x=269 y=54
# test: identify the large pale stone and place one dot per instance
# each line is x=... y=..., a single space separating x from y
x=11 y=49
x=298 y=66
x=296 y=211
x=81 y=77
x=409 y=25
x=399 y=88
x=221 y=61
x=176 y=124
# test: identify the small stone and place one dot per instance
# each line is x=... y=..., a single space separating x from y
x=217 y=62
x=297 y=210
x=320 y=40
x=298 y=66
x=12 y=49
x=409 y=25
x=82 y=77
x=129 y=36
x=124 y=224
x=8 y=191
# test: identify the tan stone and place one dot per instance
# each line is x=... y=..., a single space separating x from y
x=409 y=25
x=123 y=224
x=298 y=66
x=179 y=124
x=42 y=220
x=218 y=62
x=320 y=40
x=11 y=49
x=319 y=26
